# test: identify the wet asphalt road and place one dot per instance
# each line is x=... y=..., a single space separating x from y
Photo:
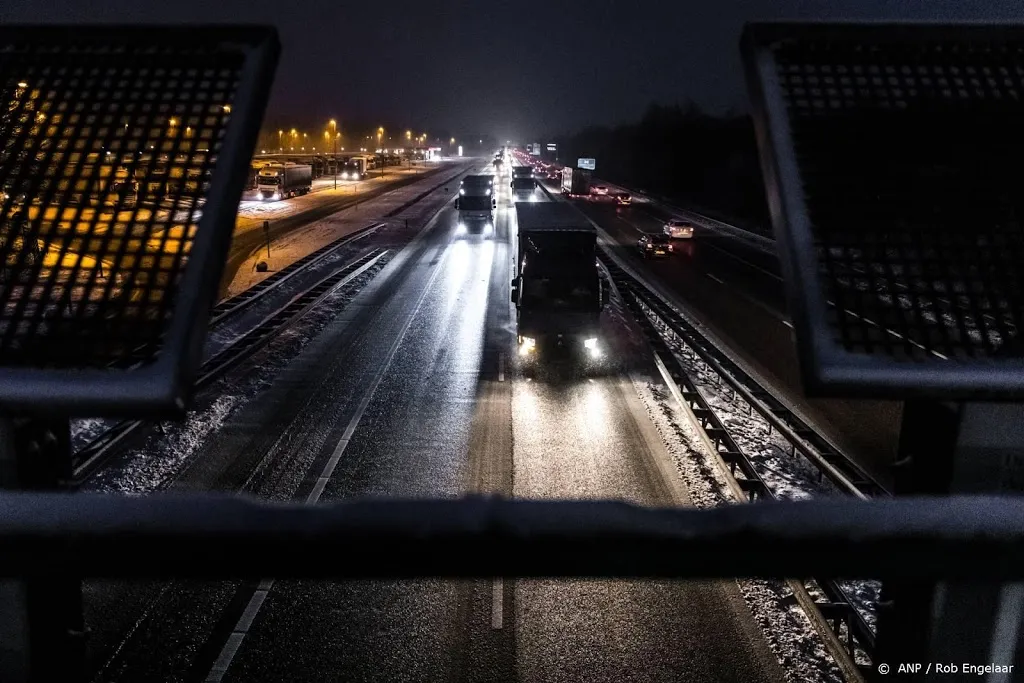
x=414 y=390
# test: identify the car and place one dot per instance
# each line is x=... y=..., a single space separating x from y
x=599 y=189
x=623 y=198
x=678 y=229
x=654 y=246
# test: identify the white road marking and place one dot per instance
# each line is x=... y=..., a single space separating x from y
x=1005 y=635
x=787 y=324
x=715 y=279
x=497 y=604
x=241 y=629
x=501 y=367
x=894 y=333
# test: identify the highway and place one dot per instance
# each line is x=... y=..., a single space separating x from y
x=413 y=389
x=735 y=290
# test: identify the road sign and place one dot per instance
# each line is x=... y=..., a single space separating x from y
x=585 y=163
x=552 y=147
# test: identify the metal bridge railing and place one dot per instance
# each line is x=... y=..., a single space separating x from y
x=211 y=535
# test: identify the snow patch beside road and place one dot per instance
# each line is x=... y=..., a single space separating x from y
x=786 y=628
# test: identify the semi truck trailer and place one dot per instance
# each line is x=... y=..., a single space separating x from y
x=575 y=182
x=558 y=289
x=280 y=181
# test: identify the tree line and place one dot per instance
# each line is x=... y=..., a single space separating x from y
x=702 y=161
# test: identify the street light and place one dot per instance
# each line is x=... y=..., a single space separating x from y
x=380 y=136
x=280 y=145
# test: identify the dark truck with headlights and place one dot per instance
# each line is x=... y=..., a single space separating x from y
x=558 y=290
x=523 y=179
x=476 y=198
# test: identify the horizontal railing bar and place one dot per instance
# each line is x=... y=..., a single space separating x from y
x=210 y=535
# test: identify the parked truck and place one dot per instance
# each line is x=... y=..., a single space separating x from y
x=558 y=290
x=476 y=200
x=354 y=168
x=280 y=181
x=575 y=182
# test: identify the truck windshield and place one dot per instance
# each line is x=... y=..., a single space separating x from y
x=269 y=180
x=560 y=293
x=475 y=202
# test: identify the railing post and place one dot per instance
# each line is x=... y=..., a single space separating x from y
x=953 y=449
x=42 y=630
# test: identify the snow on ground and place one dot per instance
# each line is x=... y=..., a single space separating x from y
x=149 y=469
x=298 y=244
x=157 y=462
x=253 y=211
x=787 y=629
x=790 y=477
x=85 y=430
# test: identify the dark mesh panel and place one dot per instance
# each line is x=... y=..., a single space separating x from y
x=106 y=153
x=912 y=161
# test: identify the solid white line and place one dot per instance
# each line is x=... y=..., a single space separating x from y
x=501 y=367
x=1005 y=635
x=227 y=653
x=220 y=667
x=787 y=324
x=497 y=604
x=715 y=279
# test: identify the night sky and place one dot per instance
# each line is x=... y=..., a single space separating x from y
x=511 y=69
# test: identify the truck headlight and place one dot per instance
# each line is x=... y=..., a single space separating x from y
x=462 y=191
x=528 y=345
x=591 y=346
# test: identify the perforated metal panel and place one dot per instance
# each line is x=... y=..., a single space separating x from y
x=123 y=153
x=893 y=160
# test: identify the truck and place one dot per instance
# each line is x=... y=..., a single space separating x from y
x=354 y=168
x=476 y=198
x=280 y=181
x=575 y=182
x=558 y=290
x=522 y=179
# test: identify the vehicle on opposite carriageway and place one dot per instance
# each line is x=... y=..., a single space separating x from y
x=678 y=229
x=654 y=246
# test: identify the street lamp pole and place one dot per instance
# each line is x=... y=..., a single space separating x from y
x=334 y=127
x=380 y=138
